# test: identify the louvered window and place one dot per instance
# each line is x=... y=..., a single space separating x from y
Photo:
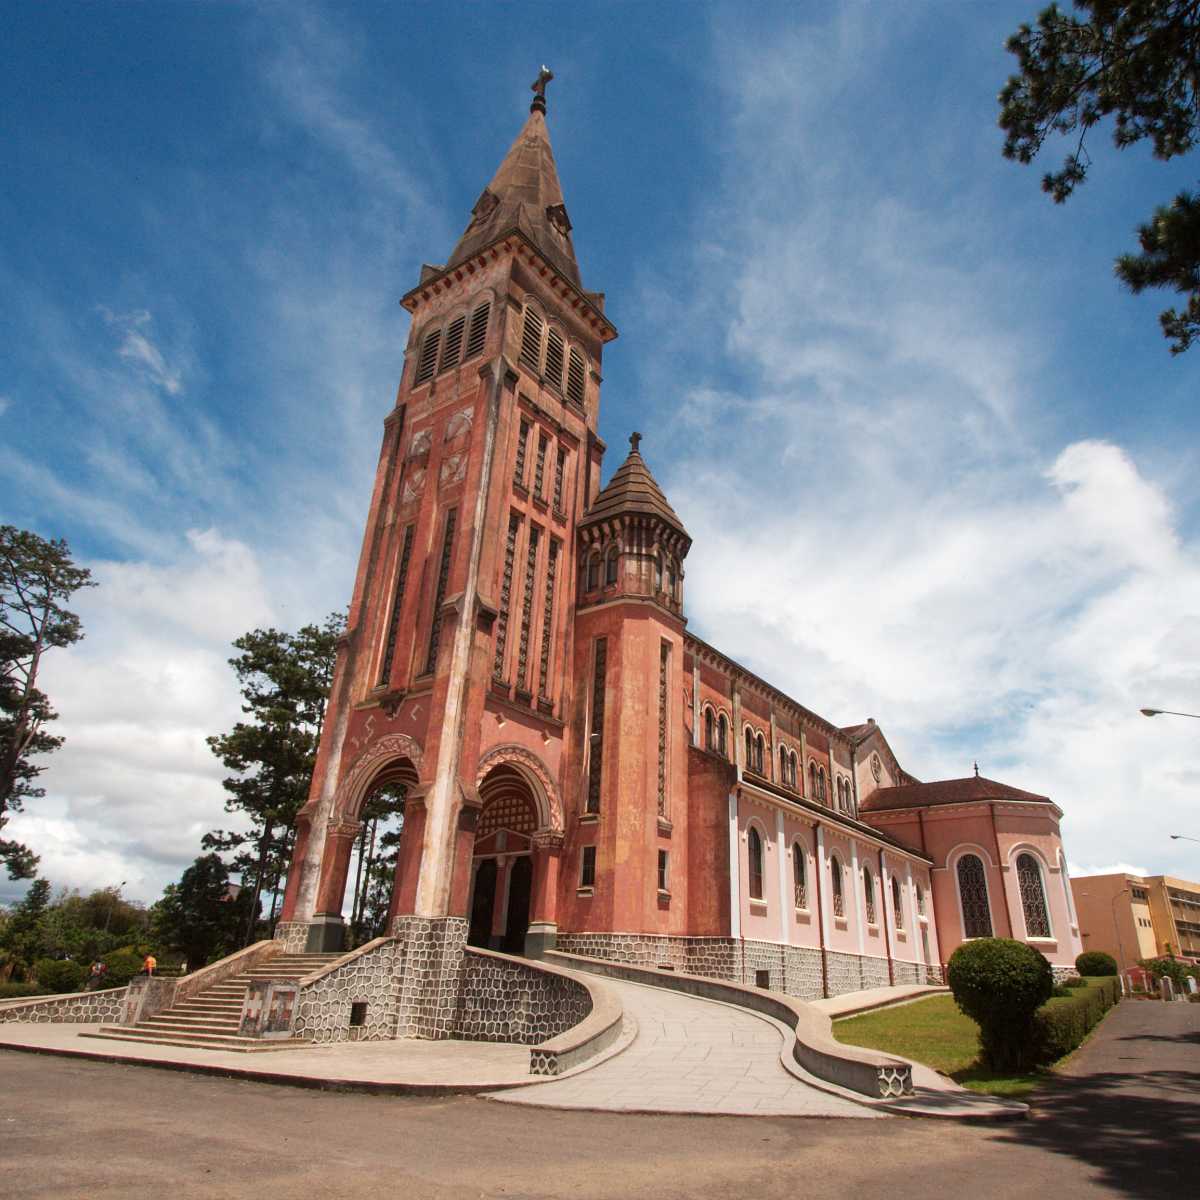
x=527 y=605
x=506 y=581
x=548 y=618
x=435 y=629
x=479 y=326
x=428 y=359
x=389 y=653
x=531 y=341
x=596 y=739
x=575 y=377
x=555 y=349
x=452 y=346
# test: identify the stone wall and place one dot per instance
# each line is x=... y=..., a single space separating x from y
x=80 y=1006
x=506 y=1001
x=323 y=1010
x=431 y=975
x=796 y=970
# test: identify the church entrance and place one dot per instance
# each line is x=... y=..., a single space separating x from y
x=502 y=884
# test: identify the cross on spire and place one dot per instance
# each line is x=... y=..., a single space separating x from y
x=634 y=440
x=538 y=88
x=976 y=770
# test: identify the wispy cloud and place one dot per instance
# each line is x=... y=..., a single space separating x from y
x=136 y=345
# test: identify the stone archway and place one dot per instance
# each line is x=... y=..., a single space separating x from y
x=537 y=777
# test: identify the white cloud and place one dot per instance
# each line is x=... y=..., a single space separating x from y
x=137 y=347
x=886 y=519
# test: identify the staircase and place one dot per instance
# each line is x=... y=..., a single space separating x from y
x=210 y=1019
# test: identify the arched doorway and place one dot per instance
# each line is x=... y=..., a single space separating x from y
x=503 y=865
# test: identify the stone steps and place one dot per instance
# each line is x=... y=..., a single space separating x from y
x=211 y=1018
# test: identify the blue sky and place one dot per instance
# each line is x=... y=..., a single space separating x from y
x=938 y=467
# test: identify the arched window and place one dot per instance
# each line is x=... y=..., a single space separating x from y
x=972 y=893
x=869 y=894
x=798 y=875
x=812 y=780
x=759 y=749
x=672 y=579
x=575 y=377
x=840 y=802
x=821 y=784
x=897 y=904
x=477 y=335
x=749 y=748
x=531 y=341
x=1033 y=897
x=783 y=764
x=755 y=853
x=555 y=351
x=452 y=345
x=429 y=354
x=722 y=736
x=709 y=729
x=795 y=782
x=593 y=572
x=839 y=901
x=610 y=566
x=920 y=901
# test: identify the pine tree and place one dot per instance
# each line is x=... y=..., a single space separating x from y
x=1138 y=62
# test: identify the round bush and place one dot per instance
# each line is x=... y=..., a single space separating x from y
x=1000 y=984
x=1096 y=962
x=59 y=975
x=123 y=965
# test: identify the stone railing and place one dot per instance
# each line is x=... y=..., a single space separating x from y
x=564 y=1018
x=814 y=1047
x=92 y=1007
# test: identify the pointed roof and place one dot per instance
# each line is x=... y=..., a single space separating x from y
x=945 y=791
x=632 y=489
x=524 y=196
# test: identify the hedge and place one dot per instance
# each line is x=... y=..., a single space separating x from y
x=1096 y=962
x=1061 y=1024
x=18 y=991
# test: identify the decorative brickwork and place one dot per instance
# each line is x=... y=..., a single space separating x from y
x=506 y=1001
x=85 y=1006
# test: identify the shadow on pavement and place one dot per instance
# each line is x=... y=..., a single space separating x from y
x=1140 y=1134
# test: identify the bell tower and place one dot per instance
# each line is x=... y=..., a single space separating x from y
x=454 y=677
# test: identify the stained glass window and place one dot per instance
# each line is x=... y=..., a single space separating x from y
x=869 y=895
x=798 y=875
x=839 y=902
x=1033 y=897
x=972 y=891
x=756 y=864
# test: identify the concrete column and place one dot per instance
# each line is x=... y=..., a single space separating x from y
x=859 y=913
x=739 y=737
x=408 y=861
x=735 y=858
x=464 y=850
x=786 y=903
x=339 y=844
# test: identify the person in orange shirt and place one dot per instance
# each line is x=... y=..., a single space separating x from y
x=150 y=964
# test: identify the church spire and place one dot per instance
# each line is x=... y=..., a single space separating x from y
x=525 y=197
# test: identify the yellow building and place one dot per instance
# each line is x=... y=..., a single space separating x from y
x=1133 y=917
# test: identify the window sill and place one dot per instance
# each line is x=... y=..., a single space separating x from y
x=664 y=827
x=803 y=914
x=664 y=898
x=589 y=818
x=758 y=906
x=585 y=891
x=1043 y=941
x=840 y=923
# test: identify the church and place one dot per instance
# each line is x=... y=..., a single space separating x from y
x=580 y=770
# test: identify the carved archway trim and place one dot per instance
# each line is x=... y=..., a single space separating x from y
x=367 y=766
x=528 y=764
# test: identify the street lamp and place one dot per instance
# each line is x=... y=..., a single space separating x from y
x=1169 y=712
x=113 y=904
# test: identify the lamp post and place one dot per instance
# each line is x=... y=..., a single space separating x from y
x=113 y=904
x=1167 y=712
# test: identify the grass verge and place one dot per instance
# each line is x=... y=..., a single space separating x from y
x=935 y=1033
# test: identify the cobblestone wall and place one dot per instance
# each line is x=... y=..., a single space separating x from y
x=293 y=935
x=505 y=1001
x=431 y=973
x=84 y=1006
x=323 y=1010
x=875 y=972
x=910 y=972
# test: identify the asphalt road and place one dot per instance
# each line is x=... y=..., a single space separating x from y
x=1124 y=1121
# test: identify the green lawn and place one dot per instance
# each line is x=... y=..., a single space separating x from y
x=935 y=1033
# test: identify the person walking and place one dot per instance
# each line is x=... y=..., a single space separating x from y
x=149 y=964
x=96 y=975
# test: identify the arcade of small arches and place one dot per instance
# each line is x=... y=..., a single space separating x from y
x=600 y=568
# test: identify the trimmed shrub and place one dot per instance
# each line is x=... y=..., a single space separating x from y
x=1000 y=984
x=1062 y=1024
x=1074 y=981
x=59 y=974
x=1096 y=962
x=18 y=991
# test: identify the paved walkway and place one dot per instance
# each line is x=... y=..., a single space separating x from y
x=691 y=1056
x=850 y=1003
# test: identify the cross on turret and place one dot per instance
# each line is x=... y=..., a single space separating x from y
x=538 y=87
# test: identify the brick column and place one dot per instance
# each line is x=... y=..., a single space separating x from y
x=408 y=861
x=464 y=850
x=543 y=909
